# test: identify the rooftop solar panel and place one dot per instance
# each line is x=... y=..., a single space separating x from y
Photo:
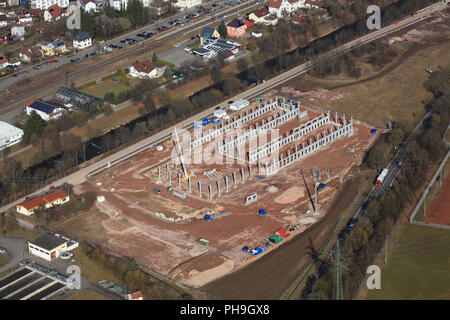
x=38 y=105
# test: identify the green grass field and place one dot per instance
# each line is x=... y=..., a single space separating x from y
x=418 y=266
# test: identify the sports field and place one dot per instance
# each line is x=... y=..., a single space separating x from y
x=418 y=268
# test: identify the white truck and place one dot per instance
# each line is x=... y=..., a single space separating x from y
x=381 y=176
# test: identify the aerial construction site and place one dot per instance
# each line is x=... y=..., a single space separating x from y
x=219 y=196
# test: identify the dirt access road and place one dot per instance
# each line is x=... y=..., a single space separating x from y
x=267 y=278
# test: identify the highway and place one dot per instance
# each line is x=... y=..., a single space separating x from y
x=81 y=175
x=131 y=50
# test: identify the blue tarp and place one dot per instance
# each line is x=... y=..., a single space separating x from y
x=373 y=131
x=207 y=217
x=262 y=211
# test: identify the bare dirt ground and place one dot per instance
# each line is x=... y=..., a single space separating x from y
x=133 y=220
x=439 y=212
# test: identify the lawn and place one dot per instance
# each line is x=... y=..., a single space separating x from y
x=93 y=271
x=397 y=95
x=108 y=85
x=418 y=266
x=87 y=295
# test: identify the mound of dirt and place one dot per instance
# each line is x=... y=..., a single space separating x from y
x=291 y=195
x=271 y=189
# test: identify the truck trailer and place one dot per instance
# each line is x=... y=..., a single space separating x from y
x=381 y=176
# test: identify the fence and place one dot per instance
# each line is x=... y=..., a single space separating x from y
x=422 y=199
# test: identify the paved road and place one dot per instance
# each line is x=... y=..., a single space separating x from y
x=15 y=247
x=61 y=78
x=80 y=176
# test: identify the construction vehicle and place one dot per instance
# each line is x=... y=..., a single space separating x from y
x=381 y=176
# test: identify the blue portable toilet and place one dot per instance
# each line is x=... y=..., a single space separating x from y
x=207 y=217
x=373 y=131
x=216 y=121
x=262 y=212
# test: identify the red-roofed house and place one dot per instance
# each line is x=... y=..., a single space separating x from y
x=236 y=28
x=57 y=197
x=315 y=4
x=280 y=7
x=249 y=23
x=53 y=13
x=147 y=69
x=297 y=19
x=137 y=295
x=28 y=207
x=259 y=15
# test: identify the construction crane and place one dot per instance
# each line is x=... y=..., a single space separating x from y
x=180 y=153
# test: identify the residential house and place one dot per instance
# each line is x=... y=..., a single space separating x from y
x=249 y=23
x=147 y=70
x=259 y=15
x=54 y=198
x=82 y=40
x=46 y=110
x=88 y=5
x=208 y=33
x=45 y=4
x=282 y=7
x=18 y=31
x=3 y=62
x=53 y=13
x=186 y=4
x=27 y=54
x=53 y=48
x=51 y=199
x=3 y=20
x=159 y=7
x=35 y=13
x=136 y=295
x=315 y=4
x=296 y=19
x=236 y=28
x=28 y=207
x=118 y=4
x=25 y=19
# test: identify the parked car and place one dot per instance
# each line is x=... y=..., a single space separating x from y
x=37 y=67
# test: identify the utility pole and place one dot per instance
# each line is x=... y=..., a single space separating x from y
x=386 y=245
x=338 y=292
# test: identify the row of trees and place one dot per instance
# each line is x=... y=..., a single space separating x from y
x=132 y=277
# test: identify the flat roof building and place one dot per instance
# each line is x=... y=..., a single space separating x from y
x=9 y=135
x=47 y=247
x=238 y=105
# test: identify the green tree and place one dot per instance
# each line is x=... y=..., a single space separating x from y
x=154 y=57
x=222 y=29
x=35 y=124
